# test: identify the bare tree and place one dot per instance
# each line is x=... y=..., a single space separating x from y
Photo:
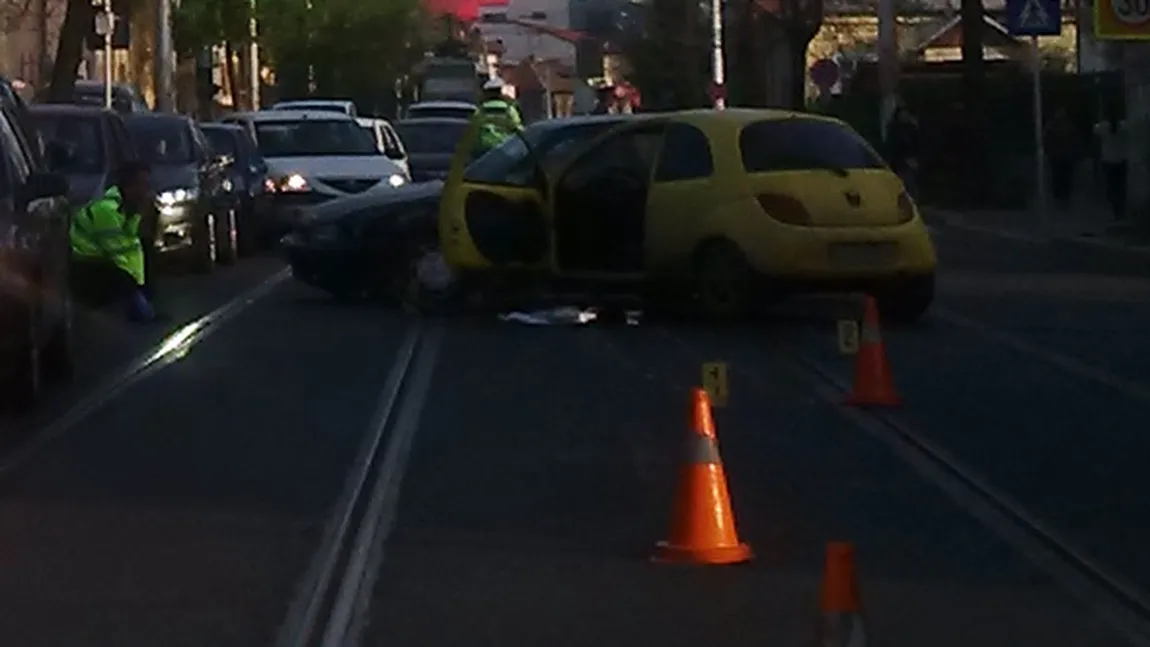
x=78 y=21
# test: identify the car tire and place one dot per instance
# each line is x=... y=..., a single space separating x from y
x=723 y=282
x=345 y=294
x=247 y=240
x=227 y=239
x=204 y=247
x=57 y=356
x=20 y=375
x=409 y=292
x=906 y=301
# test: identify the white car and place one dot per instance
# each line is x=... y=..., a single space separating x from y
x=313 y=157
x=318 y=105
x=441 y=109
x=387 y=140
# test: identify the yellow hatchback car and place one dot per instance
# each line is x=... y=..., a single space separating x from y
x=717 y=210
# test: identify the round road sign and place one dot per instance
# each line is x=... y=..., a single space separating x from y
x=825 y=72
x=1122 y=19
x=1131 y=12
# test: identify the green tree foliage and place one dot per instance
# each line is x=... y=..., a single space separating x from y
x=197 y=24
x=669 y=51
x=356 y=49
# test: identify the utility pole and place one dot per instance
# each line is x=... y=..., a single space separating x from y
x=887 y=61
x=164 y=56
x=311 y=85
x=105 y=27
x=254 y=60
x=718 y=73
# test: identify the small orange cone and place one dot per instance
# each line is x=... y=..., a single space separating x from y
x=703 y=528
x=842 y=624
x=873 y=383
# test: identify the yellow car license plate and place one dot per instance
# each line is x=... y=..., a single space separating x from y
x=863 y=255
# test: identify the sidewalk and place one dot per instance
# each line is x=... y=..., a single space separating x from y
x=1084 y=228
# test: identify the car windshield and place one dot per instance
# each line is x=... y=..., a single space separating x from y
x=313 y=107
x=511 y=164
x=222 y=141
x=163 y=141
x=77 y=142
x=803 y=145
x=435 y=137
x=425 y=112
x=314 y=138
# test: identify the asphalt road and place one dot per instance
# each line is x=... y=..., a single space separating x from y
x=522 y=475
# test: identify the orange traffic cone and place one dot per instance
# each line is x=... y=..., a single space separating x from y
x=873 y=384
x=842 y=624
x=703 y=528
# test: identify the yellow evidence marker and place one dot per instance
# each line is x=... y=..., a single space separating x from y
x=715 y=383
x=848 y=336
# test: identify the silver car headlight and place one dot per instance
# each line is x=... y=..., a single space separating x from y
x=396 y=180
x=291 y=183
x=172 y=197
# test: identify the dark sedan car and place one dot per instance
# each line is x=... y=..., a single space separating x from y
x=363 y=245
x=372 y=244
x=85 y=145
x=196 y=212
x=430 y=144
x=248 y=172
x=125 y=98
x=35 y=308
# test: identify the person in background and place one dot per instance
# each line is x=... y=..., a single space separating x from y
x=1062 y=153
x=108 y=265
x=1112 y=135
x=604 y=101
x=498 y=117
x=902 y=147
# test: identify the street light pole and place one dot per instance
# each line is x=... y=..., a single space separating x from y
x=105 y=26
x=254 y=60
x=164 y=56
x=718 y=73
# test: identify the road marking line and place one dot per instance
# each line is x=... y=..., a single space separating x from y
x=1123 y=606
x=378 y=521
x=312 y=589
x=1076 y=367
x=167 y=352
x=1120 y=603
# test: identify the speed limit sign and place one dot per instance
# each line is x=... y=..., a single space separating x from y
x=1122 y=19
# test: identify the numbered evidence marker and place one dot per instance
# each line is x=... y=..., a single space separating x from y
x=848 y=337
x=1122 y=19
x=715 y=383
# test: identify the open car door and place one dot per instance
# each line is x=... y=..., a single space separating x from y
x=493 y=214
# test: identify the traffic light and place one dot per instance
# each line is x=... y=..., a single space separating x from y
x=121 y=35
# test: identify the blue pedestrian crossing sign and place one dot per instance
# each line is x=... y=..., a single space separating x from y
x=1034 y=17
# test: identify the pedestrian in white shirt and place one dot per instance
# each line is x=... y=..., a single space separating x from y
x=1112 y=137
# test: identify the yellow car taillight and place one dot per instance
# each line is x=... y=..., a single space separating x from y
x=906 y=210
x=784 y=209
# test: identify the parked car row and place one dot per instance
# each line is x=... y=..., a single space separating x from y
x=222 y=190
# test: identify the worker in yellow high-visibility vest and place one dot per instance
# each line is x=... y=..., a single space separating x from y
x=107 y=253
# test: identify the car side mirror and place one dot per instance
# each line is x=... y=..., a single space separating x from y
x=394 y=153
x=43 y=185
